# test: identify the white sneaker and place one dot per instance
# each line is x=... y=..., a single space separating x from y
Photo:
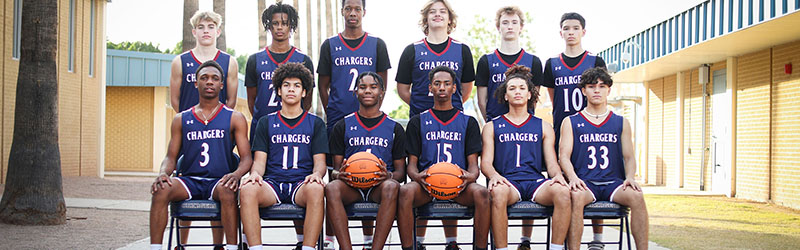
x=328 y=245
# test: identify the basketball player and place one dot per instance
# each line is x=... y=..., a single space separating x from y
x=562 y=75
x=290 y=147
x=437 y=48
x=206 y=27
x=461 y=147
x=281 y=21
x=205 y=134
x=514 y=146
x=597 y=156
x=368 y=130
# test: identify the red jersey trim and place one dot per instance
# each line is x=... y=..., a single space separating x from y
x=610 y=113
x=519 y=58
x=198 y=61
x=440 y=121
x=291 y=52
x=302 y=118
x=561 y=57
x=359 y=45
x=521 y=124
x=358 y=118
x=449 y=42
x=212 y=116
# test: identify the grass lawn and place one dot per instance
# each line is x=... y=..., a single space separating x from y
x=696 y=222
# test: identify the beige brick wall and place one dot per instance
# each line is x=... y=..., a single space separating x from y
x=786 y=126
x=753 y=126
x=9 y=74
x=129 y=129
x=670 y=131
x=692 y=133
x=655 y=161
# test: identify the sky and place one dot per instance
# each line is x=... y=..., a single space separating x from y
x=396 y=22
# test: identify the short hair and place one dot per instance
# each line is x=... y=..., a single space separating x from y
x=510 y=10
x=279 y=7
x=375 y=76
x=363 y=3
x=441 y=68
x=518 y=72
x=210 y=63
x=590 y=76
x=572 y=16
x=293 y=70
x=205 y=15
x=424 y=13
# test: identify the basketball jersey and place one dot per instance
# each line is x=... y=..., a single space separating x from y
x=497 y=70
x=425 y=59
x=289 y=157
x=518 y=148
x=346 y=64
x=377 y=140
x=442 y=141
x=567 y=96
x=189 y=64
x=267 y=101
x=207 y=148
x=597 y=149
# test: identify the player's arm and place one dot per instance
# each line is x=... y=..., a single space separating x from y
x=548 y=80
x=466 y=91
x=629 y=157
x=404 y=91
x=399 y=154
x=319 y=147
x=259 y=163
x=482 y=98
x=251 y=83
x=239 y=124
x=308 y=100
x=551 y=92
x=324 y=88
x=550 y=159
x=565 y=153
x=413 y=170
x=233 y=83
x=487 y=157
x=403 y=77
x=175 y=81
x=473 y=148
x=170 y=160
x=482 y=77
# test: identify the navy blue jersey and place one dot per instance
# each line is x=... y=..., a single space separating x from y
x=206 y=147
x=289 y=154
x=567 y=97
x=347 y=64
x=497 y=70
x=267 y=101
x=442 y=141
x=518 y=148
x=597 y=149
x=425 y=59
x=189 y=63
x=377 y=139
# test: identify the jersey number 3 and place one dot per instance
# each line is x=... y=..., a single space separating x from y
x=603 y=155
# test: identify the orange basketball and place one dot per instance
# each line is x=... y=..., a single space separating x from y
x=362 y=167
x=444 y=180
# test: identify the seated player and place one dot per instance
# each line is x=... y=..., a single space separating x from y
x=597 y=155
x=205 y=134
x=372 y=131
x=514 y=147
x=443 y=134
x=290 y=147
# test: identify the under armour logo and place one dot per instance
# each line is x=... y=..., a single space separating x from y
x=424 y=53
x=276 y=125
x=189 y=64
x=264 y=62
x=495 y=64
x=189 y=122
x=428 y=122
x=501 y=126
x=580 y=125
x=558 y=67
x=353 y=128
x=338 y=48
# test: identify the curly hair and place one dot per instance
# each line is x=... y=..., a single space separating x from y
x=424 y=12
x=378 y=79
x=517 y=72
x=292 y=70
x=279 y=7
x=590 y=76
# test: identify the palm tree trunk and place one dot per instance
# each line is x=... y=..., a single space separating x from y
x=262 y=33
x=219 y=8
x=296 y=4
x=329 y=19
x=33 y=192
x=189 y=8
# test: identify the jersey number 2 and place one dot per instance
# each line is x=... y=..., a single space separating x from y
x=604 y=155
x=353 y=86
x=272 y=97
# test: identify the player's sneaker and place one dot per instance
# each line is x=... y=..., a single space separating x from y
x=596 y=245
x=243 y=246
x=420 y=246
x=328 y=245
x=299 y=246
x=178 y=248
x=452 y=246
x=368 y=245
x=219 y=248
x=524 y=245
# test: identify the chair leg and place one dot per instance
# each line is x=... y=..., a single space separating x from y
x=628 y=225
x=549 y=233
x=414 y=235
x=169 y=240
x=178 y=233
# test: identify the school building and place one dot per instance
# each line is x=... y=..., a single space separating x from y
x=721 y=106
x=81 y=67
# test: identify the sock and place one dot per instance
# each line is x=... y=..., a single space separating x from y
x=598 y=237
x=259 y=247
x=329 y=238
x=308 y=248
x=450 y=239
x=420 y=239
x=556 y=247
x=524 y=238
x=299 y=238
x=480 y=248
x=368 y=238
x=231 y=247
x=244 y=238
x=408 y=248
x=155 y=246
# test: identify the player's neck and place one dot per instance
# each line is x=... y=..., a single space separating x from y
x=436 y=36
x=518 y=114
x=208 y=104
x=280 y=46
x=596 y=109
x=370 y=112
x=509 y=47
x=205 y=53
x=353 y=33
x=573 y=50
x=291 y=111
x=443 y=106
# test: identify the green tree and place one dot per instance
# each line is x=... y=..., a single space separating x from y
x=400 y=112
x=134 y=46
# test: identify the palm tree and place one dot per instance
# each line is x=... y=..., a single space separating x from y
x=189 y=8
x=262 y=33
x=33 y=193
x=219 y=8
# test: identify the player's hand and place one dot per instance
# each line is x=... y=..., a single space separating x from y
x=230 y=181
x=161 y=182
x=342 y=176
x=383 y=175
x=577 y=185
x=420 y=178
x=559 y=179
x=632 y=184
x=497 y=180
x=312 y=178
x=467 y=177
x=252 y=178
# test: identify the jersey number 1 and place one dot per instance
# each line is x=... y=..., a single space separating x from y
x=286 y=157
x=577 y=100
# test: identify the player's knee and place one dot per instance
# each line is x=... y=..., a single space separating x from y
x=480 y=194
x=248 y=194
x=499 y=195
x=390 y=188
x=161 y=196
x=561 y=196
x=315 y=191
x=226 y=195
x=333 y=190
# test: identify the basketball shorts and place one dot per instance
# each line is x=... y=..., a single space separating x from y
x=284 y=191
x=199 y=188
x=527 y=189
x=604 y=190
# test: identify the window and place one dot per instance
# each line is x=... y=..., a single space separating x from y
x=17 y=28
x=71 y=52
x=92 y=37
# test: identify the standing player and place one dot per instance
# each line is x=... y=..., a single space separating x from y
x=448 y=130
x=514 y=147
x=281 y=21
x=437 y=48
x=290 y=147
x=597 y=156
x=368 y=130
x=492 y=67
x=206 y=27
x=205 y=134
x=562 y=75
